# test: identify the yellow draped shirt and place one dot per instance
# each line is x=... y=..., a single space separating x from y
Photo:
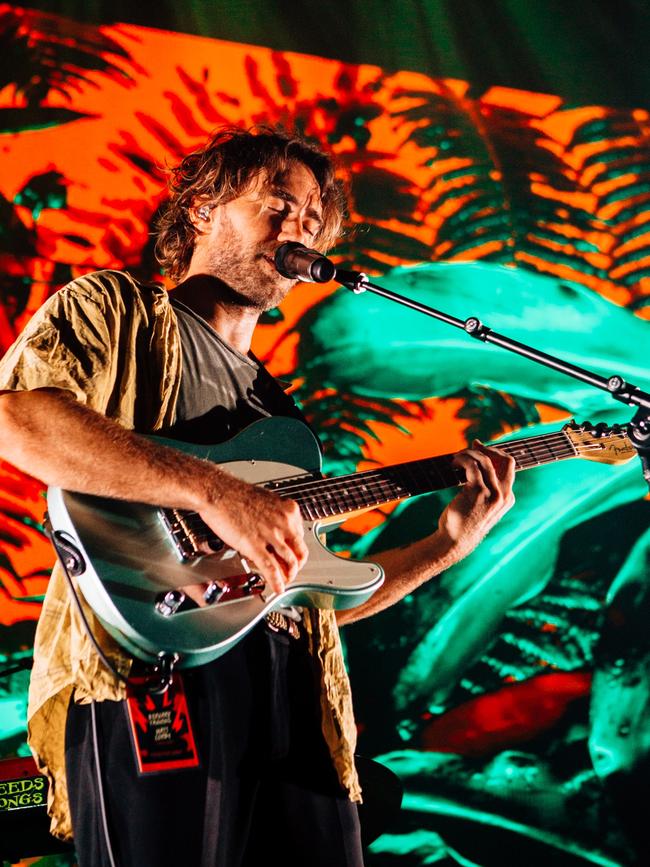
x=114 y=344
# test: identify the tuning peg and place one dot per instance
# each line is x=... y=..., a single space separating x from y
x=596 y=430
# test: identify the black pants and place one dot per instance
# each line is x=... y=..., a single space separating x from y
x=265 y=786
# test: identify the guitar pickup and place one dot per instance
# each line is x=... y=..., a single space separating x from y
x=278 y=484
x=190 y=536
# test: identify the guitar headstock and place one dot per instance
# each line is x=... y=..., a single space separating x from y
x=598 y=442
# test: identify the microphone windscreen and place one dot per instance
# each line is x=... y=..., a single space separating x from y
x=297 y=262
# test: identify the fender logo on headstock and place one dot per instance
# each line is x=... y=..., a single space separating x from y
x=602 y=443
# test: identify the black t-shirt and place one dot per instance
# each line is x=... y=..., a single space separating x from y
x=222 y=391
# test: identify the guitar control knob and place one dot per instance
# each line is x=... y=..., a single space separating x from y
x=170 y=602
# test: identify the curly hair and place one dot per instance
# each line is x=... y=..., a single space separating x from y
x=223 y=170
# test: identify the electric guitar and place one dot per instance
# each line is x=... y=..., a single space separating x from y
x=132 y=560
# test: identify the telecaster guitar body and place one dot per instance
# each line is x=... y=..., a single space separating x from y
x=131 y=563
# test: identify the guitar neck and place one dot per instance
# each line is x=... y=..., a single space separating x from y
x=326 y=498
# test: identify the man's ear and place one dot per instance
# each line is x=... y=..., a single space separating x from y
x=201 y=215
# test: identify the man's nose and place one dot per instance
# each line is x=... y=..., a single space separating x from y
x=293 y=229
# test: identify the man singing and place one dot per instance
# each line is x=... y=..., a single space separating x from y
x=106 y=360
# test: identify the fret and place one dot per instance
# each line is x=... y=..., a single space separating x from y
x=394 y=476
x=531 y=458
x=449 y=475
x=414 y=478
x=551 y=455
x=539 y=450
x=425 y=475
x=308 y=509
x=327 y=505
x=519 y=453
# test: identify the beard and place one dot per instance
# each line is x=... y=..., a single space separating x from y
x=247 y=272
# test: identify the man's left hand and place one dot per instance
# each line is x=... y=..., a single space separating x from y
x=484 y=499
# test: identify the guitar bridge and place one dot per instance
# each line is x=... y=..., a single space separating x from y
x=190 y=536
x=234 y=587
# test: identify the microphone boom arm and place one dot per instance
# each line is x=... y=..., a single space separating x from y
x=615 y=385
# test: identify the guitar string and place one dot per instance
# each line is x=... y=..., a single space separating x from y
x=380 y=489
x=529 y=458
x=569 y=450
x=376 y=479
x=367 y=474
x=337 y=488
x=338 y=500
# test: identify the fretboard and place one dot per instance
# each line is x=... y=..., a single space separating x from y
x=324 y=498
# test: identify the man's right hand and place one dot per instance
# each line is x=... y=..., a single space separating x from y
x=261 y=526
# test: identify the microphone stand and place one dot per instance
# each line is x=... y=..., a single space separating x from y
x=638 y=428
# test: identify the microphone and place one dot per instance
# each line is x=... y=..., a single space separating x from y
x=296 y=262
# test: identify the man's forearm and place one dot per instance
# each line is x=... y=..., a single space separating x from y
x=483 y=500
x=405 y=569
x=48 y=434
